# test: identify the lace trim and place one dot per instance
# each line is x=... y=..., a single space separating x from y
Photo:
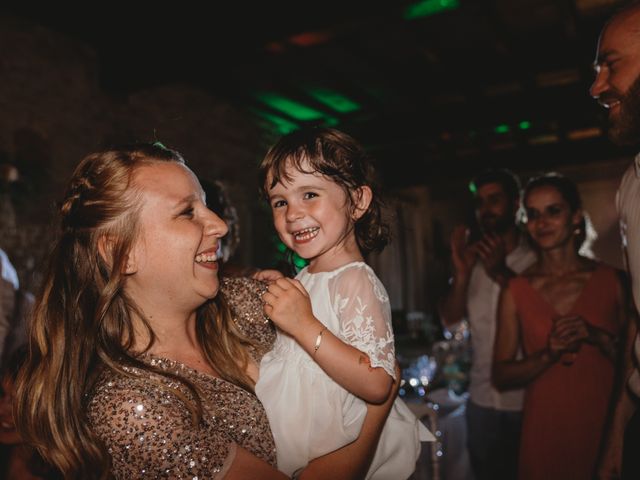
x=359 y=331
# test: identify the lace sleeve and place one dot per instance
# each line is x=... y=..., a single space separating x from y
x=151 y=435
x=361 y=303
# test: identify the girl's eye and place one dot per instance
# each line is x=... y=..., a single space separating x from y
x=278 y=203
x=309 y=195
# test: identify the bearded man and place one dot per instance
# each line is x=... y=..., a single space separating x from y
x=617 y=88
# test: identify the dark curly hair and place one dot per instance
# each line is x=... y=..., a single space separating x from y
x=340 y=158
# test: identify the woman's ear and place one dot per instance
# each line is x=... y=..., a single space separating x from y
x=576 y=218
x=130 y=266
x=105 y=249
x=362 y=197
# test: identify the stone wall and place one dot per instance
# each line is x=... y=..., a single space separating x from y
x=53 y=111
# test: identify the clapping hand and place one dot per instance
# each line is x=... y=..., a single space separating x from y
x=493 y=253
x=463 y=255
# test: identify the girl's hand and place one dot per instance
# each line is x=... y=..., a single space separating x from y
x=268 y=275
x=288 y=305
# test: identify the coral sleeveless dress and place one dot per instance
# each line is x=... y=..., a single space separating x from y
x=565 y=407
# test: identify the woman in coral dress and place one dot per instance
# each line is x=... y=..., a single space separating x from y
x=558 y=325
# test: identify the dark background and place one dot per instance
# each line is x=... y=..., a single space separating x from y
x=436 y=90
x=477 y=83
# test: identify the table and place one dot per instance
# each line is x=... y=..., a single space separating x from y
x=448 y=412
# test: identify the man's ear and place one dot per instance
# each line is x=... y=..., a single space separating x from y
x=105 y=249
x=362 y=197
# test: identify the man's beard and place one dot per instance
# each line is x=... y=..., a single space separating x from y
x=625 y=129
x=497 y=224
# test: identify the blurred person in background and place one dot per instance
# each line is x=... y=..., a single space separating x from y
x=484 y=259
x=566 y=313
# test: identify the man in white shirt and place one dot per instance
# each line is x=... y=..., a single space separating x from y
x=9 y=285
x=617 y=88
x=480 y=268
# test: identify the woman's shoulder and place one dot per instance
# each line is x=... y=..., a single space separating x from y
x=612 y=275
x=239 y=290
x=145 y=422
x=135 y=387
x=120 y=403
x=525 y=277
x=605 y=267
x=244 y=297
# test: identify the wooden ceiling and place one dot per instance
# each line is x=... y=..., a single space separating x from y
x=443 y=87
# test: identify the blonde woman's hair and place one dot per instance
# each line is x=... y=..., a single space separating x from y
x=82 y=320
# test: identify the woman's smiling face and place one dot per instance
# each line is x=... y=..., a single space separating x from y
x=174 y=257
x=550 y=222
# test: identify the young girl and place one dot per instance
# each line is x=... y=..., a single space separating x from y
x=335 y=345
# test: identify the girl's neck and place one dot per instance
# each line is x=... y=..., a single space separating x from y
x=343 y=254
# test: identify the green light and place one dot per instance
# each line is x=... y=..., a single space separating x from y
x=425 y=8
x=299 y=261
x=292 y=108
x=330 y=121
x=524 y=125
x=334 y=100
x=472 y=188
x=281 y=247
x=502 y=128
x=282 y=125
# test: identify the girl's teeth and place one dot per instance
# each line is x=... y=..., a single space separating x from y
x=306 y=233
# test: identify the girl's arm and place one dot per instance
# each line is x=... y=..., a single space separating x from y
x=507 y=372
x=287 y=303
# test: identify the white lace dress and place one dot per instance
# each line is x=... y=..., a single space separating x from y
x=311 y=415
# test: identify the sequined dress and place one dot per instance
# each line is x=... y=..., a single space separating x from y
x=310 y=414
x=147 y=428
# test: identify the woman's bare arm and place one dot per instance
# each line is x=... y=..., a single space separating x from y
x=507 y=371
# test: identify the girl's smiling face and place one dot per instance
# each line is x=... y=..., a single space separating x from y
x=311 y=216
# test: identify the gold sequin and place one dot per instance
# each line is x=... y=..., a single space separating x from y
x=149 y=431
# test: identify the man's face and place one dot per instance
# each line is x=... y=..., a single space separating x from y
x=617 y=82
x=495 y=211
